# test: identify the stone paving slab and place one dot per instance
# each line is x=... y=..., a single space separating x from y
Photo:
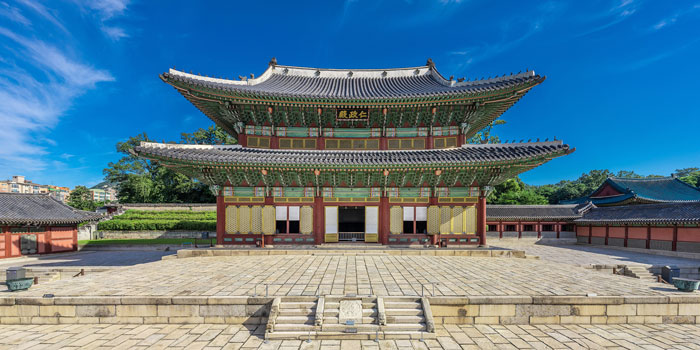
x=217 y=336
x=340 y=275
x=87 y=259
x=586 y=255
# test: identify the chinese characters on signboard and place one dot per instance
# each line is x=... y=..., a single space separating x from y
x=352 y=114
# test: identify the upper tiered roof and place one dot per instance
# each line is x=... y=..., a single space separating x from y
x=352 y=84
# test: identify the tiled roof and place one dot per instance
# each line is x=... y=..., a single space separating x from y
x=289 y=81
x=662 y=189
x=657 y=213
x=39 y=209
x=465 y=154
x=536 y=212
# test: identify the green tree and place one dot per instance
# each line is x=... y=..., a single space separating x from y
x=81 y=198
x=140 y=180
x=514 y=191
x=689 y=175
x=485 y=136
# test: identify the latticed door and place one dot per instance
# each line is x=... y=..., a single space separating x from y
x=244 y=219
x=256 y=220
x=231 y=219
x=433 y=220
x=396 y=220
x=306 y=224
x=331 y=224
x=458 y=220
x=372 y=224
x=268 y=220
x=470 y=218
x=445 y=220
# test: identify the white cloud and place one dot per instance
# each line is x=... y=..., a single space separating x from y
x=37 y=87
x=13 y=14
x=114 y=33
x=665 y=22
x=107 y=11
x=44 y=12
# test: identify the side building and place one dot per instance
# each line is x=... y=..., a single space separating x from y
x=38 y=224
x=625 y=191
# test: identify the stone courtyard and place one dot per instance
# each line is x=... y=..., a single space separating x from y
x=381 y=274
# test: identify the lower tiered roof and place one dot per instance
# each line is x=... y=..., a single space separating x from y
x=486 y=164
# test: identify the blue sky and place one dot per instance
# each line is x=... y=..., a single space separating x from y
x=78 y=76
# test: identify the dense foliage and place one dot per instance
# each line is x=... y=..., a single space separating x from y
x=81 y=198
x=514 y=191
x=137 y=220
x=139 y=180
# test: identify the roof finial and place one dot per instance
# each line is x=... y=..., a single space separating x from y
x=273 y=61
x=430 y=63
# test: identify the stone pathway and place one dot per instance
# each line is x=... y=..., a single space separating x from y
x=586 y=255
x=208 y=336
x=340 y=275
x=88 y=259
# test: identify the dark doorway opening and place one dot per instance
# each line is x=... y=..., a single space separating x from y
x=351 y=223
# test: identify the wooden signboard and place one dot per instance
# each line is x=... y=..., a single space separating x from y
x=349 y=114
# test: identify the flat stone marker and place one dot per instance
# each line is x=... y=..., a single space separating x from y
x=350 y=310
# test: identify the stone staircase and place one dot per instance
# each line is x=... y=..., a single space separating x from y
x=350 y=317
x=641 y=272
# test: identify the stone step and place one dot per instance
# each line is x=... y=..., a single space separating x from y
x=401 y=299
x=341 y=328
x=402 y=305
x=393 y=319
x=335 y=312
x=294 y=319
x=292 y=335
x=404 y=312
x=336 y=305
x=297 y=305
x=297 y=312
x=295 y=327
x=405 y=327
x=334 y=320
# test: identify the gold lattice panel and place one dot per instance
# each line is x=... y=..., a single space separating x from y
x=433 y=220
x=445 y=220
x=244 y=219
x=256 y=219
x=268 y=220
x=457 y=220
x=306 y=220
x=470 y=218
x=396 y=220
x=231 y=219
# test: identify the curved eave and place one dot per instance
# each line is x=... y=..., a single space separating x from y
x=217 y=94
x=562 y=218
x=526 y=163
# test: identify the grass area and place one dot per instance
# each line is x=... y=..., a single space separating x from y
x=171 y=241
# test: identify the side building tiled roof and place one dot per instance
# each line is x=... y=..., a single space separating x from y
x=234 y=154
x=39 y=209
x=657 y=213
x=536 y=212
x=647 y=190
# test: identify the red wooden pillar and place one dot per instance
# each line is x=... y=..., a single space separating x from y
x=481 y=220
x=8 y=244
x=607 y=233
x=220 y=219
x=558 y=225
x=520 y=229
x=75 y=237
x=539 y=229
x=500 y=229
x=674 y=244
x=384 y=220
x=590 y=233
x=648 y=236
x=318 y=220
x=626 y=234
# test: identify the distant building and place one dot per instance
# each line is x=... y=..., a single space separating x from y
x=19 y=184
x=622 y=191
x=38 y=224
x=60 y=193
x=103 y=195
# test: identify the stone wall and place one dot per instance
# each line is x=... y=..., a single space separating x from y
x=153 y=234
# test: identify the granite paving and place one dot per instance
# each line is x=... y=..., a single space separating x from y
x=220 y=336
x=586 y=255
x=342 y=274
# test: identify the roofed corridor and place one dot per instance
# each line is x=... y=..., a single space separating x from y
x=340 y=275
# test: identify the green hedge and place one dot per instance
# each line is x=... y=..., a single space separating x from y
x=158 y=225
x=166 y=215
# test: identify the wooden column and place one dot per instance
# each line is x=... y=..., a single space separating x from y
x=626 y=234
x=318 y=220
x=520 y=229
x=558 y=224
x=590 y=233
x=481 y=220
x=75 y=237
x=384 y=220
x=8 y=244
x=607 y=233
x=648 y=236
x=220 y=219
x=539 y=229
x=500 y=229
x=674 y=245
